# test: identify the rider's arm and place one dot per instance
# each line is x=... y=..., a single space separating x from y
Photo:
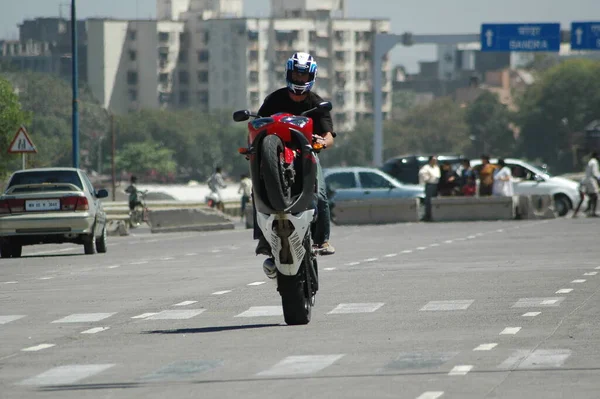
x=326 y=129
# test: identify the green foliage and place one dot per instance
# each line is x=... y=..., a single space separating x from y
x=489 y=126
x=139 y=158
x=11 y=117
x=555 y=108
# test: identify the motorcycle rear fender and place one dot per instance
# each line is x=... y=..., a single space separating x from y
x=301 y=223
x=309 y=175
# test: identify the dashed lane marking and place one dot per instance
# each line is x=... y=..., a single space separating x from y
x=486 y=347
x=299 y=365
x=38 y=347
x=510 y=331
x=461 y=370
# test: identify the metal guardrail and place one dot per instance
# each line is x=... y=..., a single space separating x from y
x=118 y=209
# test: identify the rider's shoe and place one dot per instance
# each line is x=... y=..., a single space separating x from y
x=263 y=247
x=325 y=249
x=269 y=268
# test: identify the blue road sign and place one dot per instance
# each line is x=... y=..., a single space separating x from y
x=585 y=36
x=520 y=37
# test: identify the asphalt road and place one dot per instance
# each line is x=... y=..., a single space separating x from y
x=461 y=310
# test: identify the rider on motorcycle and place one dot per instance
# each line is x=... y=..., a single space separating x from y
x=297 y=97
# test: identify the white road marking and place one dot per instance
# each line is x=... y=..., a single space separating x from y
x=536 y=302
x=214 y=251
x=510 y=331
x=114 y=266
x=447 y=305
x=37 y=347
x=461 y=370
x=564 y=291
x=479 y=234
x=578 y=281
x=10 y=282
x=185 y=303
x=167 y=258
x=356 y=308
x=499 y=231
x=370 y=260
x=262 y=311
x=431 y=395
x=531 y=314
x=407 y=251
x=590 y=273
x=486 y=347
x=390 y=255
x=434 y=245
x=257 y=283
x=421 y=248
x=151 y=241
x=176 y=314
x=84 y=317
x=55 y=251
x=328 y=269
x=191 y=254
x=470 y=237
x=221 y=292
x=143 y=315
x=143 y=262
x=461 y=239
x=448 y=241
x=539 y=358
x=66 y=374
x=597 y=268
x=95 y=330
x=296 y=365
x=8 y=319
x=45 y=278
x=352 y=263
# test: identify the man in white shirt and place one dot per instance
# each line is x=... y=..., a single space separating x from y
x=429 y=175
x=503 y=184
x=590 y=182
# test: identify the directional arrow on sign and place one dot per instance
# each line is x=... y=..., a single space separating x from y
x=489 y=35
x=579 y=34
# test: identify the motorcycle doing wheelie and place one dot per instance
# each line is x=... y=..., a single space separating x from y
x=283 y=169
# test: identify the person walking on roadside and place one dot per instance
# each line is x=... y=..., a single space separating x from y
x=429 y=175
x=503 y=184
x=486 y=177
x=246 y=191
x=590 y=182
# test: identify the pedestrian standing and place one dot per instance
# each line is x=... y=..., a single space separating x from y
x=590 y=181
x=246 y=191
x=503 y=184
x=429 y=175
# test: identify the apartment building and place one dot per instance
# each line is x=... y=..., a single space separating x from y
x=204 y=54
x=131 y=63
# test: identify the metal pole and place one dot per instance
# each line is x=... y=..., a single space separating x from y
x=113 y=150
x=75 y=117
x=23 y=159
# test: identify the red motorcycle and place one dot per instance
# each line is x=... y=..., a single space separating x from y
x=283 y=168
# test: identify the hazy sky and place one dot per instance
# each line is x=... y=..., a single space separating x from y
x=417 y=16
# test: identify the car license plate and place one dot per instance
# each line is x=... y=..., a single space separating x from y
x=42 y=205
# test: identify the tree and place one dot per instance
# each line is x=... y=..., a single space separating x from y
x=489 y=126
x=11 y=117
x=555 y=108
x=140 y=158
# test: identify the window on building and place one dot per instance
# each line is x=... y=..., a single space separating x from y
x=203 y=56
x=340 y=35
x=206 y=37
x=184 y=38
x=252 y=35
x=253 y=55
x=163 y=78
x=183 y=56
x=254 y=98
x=184 y=77
x=133 y=95
x=164 y=98
x=132 y=55
x=253 y=76
x=357 y=98
x=202 y=76
x=184 y=97
x=163 y=36
x=202 y=97
x=132 y=35
x=132 y=77
x=340 y=56
x=340 y=98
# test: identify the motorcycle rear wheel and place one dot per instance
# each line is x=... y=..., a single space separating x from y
x=278 y=190
x=297 y=292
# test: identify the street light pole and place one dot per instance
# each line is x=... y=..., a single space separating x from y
x=113 y=150
x=74 y=73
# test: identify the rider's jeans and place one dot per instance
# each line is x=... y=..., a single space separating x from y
x=321 y=228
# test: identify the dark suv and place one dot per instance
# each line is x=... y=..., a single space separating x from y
x=405 y=168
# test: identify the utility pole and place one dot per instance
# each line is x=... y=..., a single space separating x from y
x=74 y=73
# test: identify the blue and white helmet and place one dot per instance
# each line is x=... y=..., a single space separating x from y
x=301 y=63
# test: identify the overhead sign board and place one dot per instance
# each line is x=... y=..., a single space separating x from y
x=530 y=37
x=21 y=143
x=585 y=36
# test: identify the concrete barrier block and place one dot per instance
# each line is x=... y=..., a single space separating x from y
x=249 y=217
x=117 y=228
x=376 y=211
x=543 y=206
x=459 y=209
x=188 y=219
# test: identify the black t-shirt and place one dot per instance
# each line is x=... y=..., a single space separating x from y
x=280 y=101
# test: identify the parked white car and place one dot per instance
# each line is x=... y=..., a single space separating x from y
x=530 y=180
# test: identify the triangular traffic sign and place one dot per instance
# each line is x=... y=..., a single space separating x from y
x=21 y=143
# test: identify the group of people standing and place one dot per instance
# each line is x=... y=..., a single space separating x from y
x=445 y=181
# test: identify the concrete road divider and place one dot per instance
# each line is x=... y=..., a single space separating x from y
x=118 y=226
x=462 y=209
x=189 y=219
x=376 y=211
x=536 y=207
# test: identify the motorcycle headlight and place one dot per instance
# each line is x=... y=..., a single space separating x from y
x=299 y=121
x=261 y=122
